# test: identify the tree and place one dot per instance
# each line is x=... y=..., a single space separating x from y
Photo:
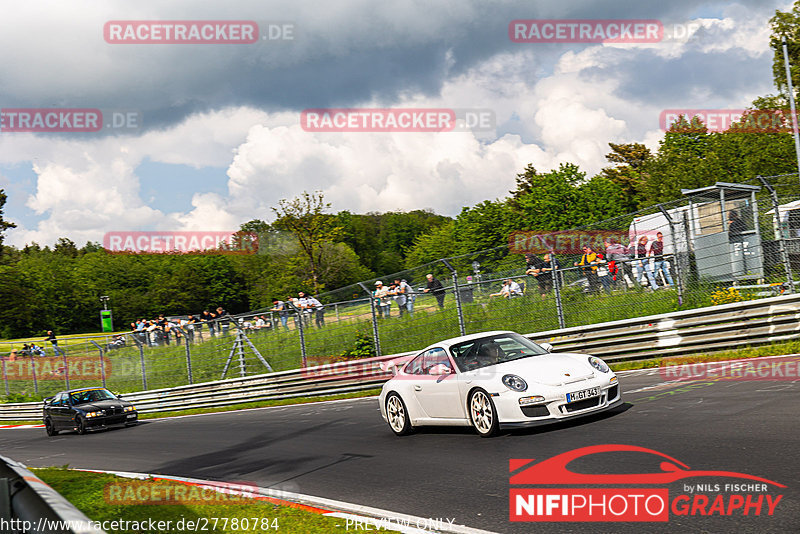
x=305 y=218
x=628 y=175
x=786 y=24
x=4 y=224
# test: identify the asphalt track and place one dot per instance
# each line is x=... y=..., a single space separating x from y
x=344 y=450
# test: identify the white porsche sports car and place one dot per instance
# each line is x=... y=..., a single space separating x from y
x=495 y=380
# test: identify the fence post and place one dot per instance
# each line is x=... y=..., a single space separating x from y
x=299 y=320
x=454 y=273
x=189 y=353
x=240 y=345
x=678 y=272
x=141 y=360
x=776 y=227
x=33 y=374
x=102 y=363
x=5 y=377
x=557 y=291
x=375 y=337
x=66 y=369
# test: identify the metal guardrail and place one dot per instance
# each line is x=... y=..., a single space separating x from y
x=672 y=334
x=29 y=505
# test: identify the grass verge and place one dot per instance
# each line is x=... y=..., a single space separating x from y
x=104 y=498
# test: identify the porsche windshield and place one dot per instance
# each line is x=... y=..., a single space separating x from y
x=491 y=350
x=90 y=395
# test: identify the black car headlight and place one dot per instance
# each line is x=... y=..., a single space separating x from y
x=515 y=383
x=130 y=408
x=94 y=414
x=599 y=364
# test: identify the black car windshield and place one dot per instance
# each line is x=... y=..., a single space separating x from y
x=491 y=350
x=90 y=395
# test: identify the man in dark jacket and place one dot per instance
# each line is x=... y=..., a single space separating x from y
x=435 y=287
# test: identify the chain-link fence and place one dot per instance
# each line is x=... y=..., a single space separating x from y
x=720 y=244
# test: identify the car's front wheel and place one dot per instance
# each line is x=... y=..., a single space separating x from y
x=48 y=426
x=80 y=424
x=397 y=414
x=483 y=414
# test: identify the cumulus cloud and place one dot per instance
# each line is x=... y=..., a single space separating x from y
x=236 y=108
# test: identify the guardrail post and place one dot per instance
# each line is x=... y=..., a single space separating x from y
x=776 y=227
x=557 y=291
x=102 y=362
x=454 y=273
x=376 y=340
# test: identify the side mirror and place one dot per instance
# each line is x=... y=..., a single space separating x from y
x=546 y=346
x=439 y=369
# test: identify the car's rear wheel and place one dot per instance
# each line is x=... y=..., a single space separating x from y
x=80 y=424
x=48 y=426
x=483 y=414
x=397 y=414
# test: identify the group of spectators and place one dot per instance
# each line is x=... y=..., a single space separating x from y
x=163 y=329
x=399 y=292
x=616 y=264
x=305 y=305
x=32 y=349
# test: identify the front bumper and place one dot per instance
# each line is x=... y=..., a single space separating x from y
x=512 y=415
x=112 y=420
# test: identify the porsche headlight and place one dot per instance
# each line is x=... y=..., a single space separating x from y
x=599 y=364
x=515 y=383
x=130 y=408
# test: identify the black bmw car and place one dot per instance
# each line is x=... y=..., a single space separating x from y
x=85 y=409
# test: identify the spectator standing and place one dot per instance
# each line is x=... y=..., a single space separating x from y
x=283 y=313
x=209 y=319
x=435 y=287
x=643 y=263
x=401 y=291
x=223 y=320
x=657 y=251
x=411 y=296
x=382 y=299
x=589 y=267
x=619 y=255
x=318 y=309
x=51 y=337
x=542 y=269
x=603 y=272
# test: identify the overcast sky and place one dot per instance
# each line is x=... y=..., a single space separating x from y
x=221 y=141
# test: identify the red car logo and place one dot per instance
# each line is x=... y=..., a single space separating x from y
x=554 y=470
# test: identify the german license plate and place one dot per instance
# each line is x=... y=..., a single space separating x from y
x=584 y=394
